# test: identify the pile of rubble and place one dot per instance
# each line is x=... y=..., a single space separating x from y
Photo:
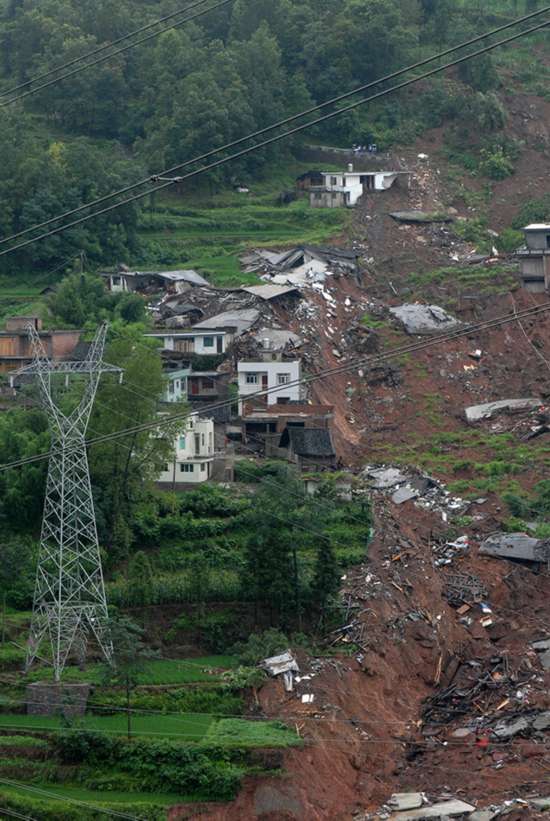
x=304 y=265
x=424 y=490
x=416 y=806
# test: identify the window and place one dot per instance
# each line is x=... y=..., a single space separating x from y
x=251 y=378
x=165 y=467
x=210 y=442
x=283 y=378
x=171 y=387
x=185 y=467
x=334 y=180
x=116 y=280
x=197 y=444
x=181 y=443
x=208 y=341
x=203 y=465
x=207 y=383
x=202 y=439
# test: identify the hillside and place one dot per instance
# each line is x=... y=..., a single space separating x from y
x=421 y=659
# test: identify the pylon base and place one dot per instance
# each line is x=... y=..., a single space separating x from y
x=50 y=698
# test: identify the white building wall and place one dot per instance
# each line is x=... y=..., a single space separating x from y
x=169 y=341
x=193 y=454
x=269 y=375
x=176 y=387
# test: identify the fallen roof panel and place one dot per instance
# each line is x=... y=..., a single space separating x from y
x=270 y=291
x=513 y=546
x=476 y=413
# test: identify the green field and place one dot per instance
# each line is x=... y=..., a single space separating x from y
x=190 y=727
x=101 y=798
x=159 y=671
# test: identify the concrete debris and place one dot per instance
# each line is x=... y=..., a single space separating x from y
x=475 y=413
x=383 y=478
x=422 y=217
x=405 y=494
x=515 y=546
x=284 y=664
x=406 y=800
x=426 y=491
x=537 y=722
x=543 y=649
x=445 y=809
x=424 y=319
x=300 y=266
x=540 y=803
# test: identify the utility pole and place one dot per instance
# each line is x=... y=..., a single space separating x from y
x=69 y=599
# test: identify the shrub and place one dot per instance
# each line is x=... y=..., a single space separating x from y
x=260 y=646
x=495 y=164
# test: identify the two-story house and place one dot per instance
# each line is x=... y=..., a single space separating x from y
x=193 y=455
x=16 y=348
x=176 y=385
x=534 y=258
x=195 y=341
x=346 y=187
x=272 y=373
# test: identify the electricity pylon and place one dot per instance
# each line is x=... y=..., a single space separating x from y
x=69 y=598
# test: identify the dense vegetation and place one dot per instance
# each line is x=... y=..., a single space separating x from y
x=228 y=73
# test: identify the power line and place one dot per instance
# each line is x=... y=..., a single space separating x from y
x=116 y=52
x=353 y=365
x=15 y=814
x=101 y=48
x=262 y=144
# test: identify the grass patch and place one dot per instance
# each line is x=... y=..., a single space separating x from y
x=95 y=796
x=235 y=732
x=22 y=741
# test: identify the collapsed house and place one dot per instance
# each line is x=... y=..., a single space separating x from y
x=300 y=266
x=124 y=280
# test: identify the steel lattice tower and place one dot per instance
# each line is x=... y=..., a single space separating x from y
x=69 y=598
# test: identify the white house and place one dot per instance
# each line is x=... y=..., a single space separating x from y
x=176 y=385
x=193 y=454
x=278 y=377
x=345 y=188
x=195 y=341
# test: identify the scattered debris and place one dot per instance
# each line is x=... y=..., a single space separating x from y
x=463 y=588
x=475 y=413
x=424 y=319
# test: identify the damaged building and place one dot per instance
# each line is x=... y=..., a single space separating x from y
x=344 y=189
x=534 y=258
x=302 y=265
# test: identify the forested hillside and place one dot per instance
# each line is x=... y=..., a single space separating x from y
x=227 y=73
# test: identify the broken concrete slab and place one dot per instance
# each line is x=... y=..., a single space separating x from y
x=445 y=809
x=404 y=494
x=508 y=729
x=406 y=800
x=540 y=803
x=424 y=319
x=483 y=815
x=420 y=217
x=544 y=659
x=541 y=646
x=475 y=413
x=542 y=721
x=283 y=663
x=513 y=546
x=383 y=478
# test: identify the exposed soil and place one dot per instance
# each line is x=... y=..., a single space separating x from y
x=365 y=736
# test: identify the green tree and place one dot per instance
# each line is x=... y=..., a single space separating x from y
x=123 y=470
x=131 y=658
